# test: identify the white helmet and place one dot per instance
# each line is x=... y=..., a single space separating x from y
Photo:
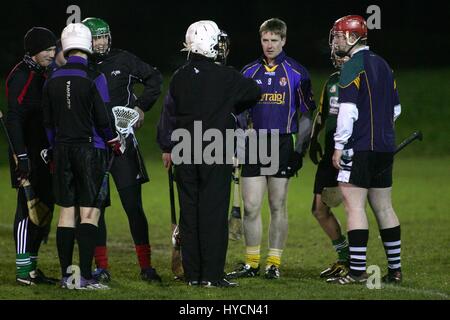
x=76 y=36
x=202 y=38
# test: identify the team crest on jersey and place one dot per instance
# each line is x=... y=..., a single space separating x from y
x=283 y=81
x=333 y=89
x=334 y=105
x=115 y=72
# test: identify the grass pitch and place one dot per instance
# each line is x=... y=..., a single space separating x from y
x=420 y=196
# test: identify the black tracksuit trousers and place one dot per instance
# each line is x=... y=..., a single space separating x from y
x=204 y=197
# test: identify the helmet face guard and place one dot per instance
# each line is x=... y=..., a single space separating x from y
x=337 y=50
x=223 y=47
x=337 y=60
x=101 y=49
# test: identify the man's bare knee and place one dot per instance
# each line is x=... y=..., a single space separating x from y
x=277 y=205
x=253 y=189
x=322 y=213
x=319 y=210
x=67 y=217
x=89 y=215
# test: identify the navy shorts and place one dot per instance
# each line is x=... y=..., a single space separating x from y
x=286 y=148
x=79 y=171
x=367 y=169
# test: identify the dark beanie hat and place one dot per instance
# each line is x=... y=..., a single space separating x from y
x=38 y=39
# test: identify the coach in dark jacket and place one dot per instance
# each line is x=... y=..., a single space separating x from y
x=207 y=93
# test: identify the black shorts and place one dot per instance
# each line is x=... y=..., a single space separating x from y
x=326 y=175
x=367 y=169
x=129 y=169
x=79 y=171
x=286 y=147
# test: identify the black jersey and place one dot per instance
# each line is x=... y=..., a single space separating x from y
x=204 y=91
x=75 y=107
x=123 y=70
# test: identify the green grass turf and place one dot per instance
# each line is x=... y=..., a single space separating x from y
x=420 y=198
x=419 y=190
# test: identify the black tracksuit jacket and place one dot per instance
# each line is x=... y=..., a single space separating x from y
x=122 y=71
x=25 y=119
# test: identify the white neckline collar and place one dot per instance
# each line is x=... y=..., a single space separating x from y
x=360 y=49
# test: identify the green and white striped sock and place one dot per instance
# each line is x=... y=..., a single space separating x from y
x=341 y=247
x=34 y=261
x=23 y=265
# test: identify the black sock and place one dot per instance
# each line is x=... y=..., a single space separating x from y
x=357 y=240
x=35 y=236
x=86 y=238
x=65 y=240
x=392 y=246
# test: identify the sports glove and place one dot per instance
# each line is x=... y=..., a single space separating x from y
x=23 y=166
x=295 y=163
x=115 y=145
x=315 y=151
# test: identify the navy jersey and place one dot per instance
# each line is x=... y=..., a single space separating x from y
x=286 y=90
x=74 y=104
x=367 y=81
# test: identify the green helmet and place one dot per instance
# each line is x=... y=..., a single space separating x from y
x=99 y=28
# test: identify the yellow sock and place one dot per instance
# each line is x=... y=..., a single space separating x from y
x=252 y=256
x=274 y=257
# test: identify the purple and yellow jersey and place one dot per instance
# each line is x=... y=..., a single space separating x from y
x=368 y=82
x=285 y=90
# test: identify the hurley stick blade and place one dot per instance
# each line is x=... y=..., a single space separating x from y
x=332 y=196
x=177 y=265
x=235 y=222
x=38 y=211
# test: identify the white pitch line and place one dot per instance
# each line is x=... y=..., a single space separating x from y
x=424 y=291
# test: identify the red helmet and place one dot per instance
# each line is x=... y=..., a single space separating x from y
x=350 y=25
